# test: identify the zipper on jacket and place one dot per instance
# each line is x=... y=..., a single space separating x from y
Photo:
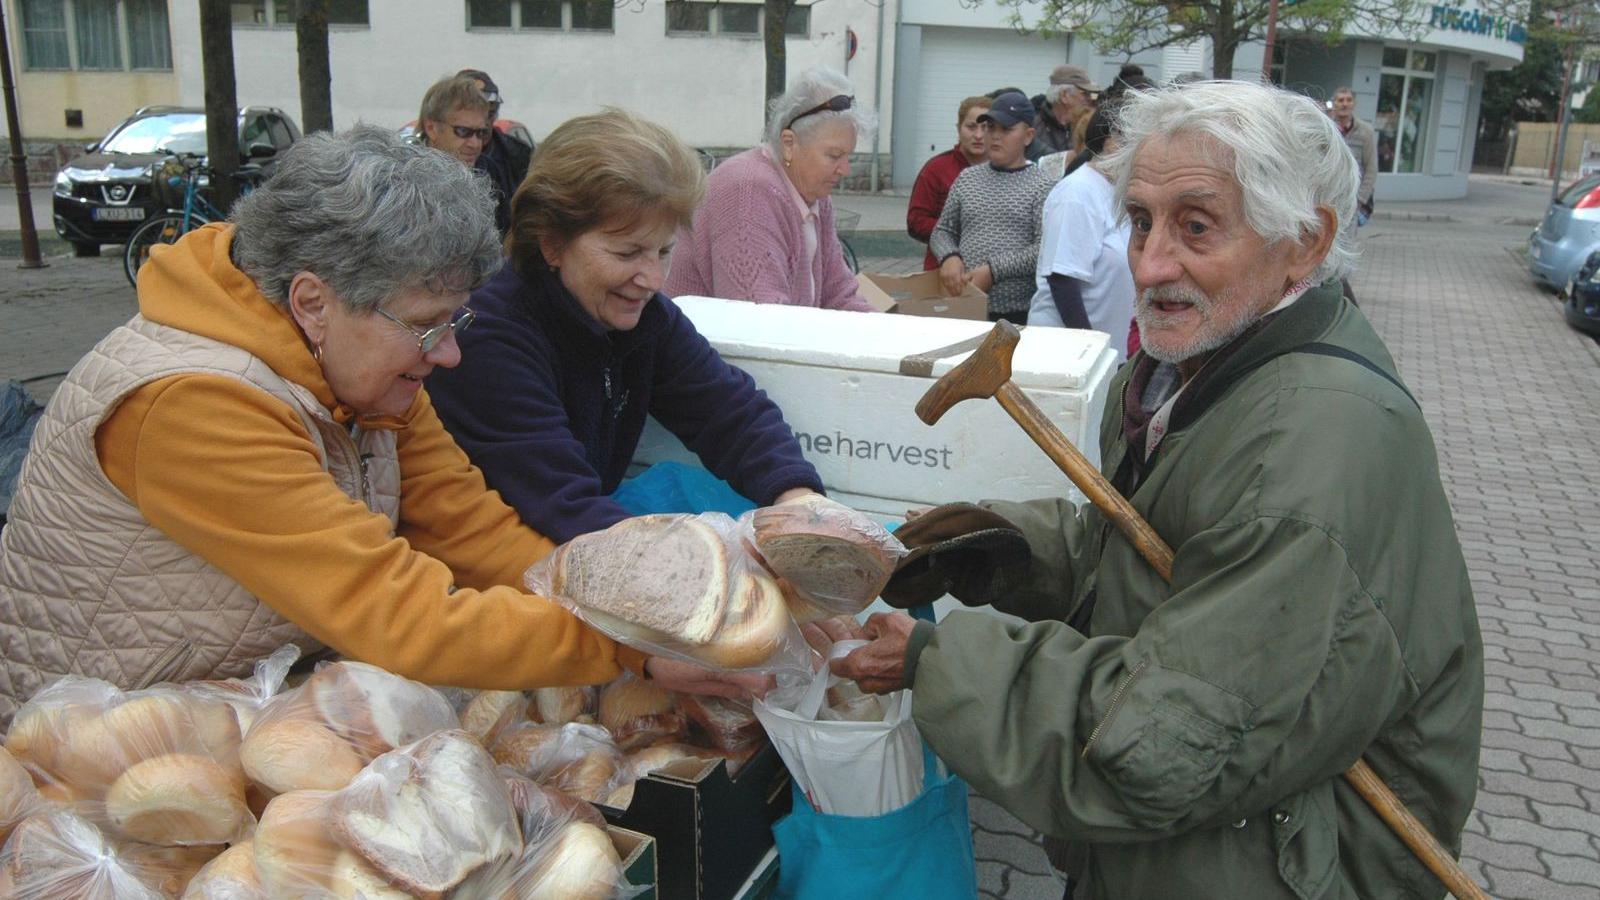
x=1116 y=704
x=169 y=663
x=361 y=464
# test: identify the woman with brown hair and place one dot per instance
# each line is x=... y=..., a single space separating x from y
x=574 y=343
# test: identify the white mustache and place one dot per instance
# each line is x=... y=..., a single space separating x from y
x=1149 y=297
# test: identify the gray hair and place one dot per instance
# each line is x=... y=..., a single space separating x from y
x=369 y=214
x=1052 y=93
x=815 y=86
x=1285 y=153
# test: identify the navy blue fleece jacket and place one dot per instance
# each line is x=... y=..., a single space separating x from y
x=550 y=405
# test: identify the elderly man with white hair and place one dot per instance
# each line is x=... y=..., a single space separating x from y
x=1187 y=739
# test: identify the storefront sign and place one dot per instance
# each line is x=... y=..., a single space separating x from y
x=1472 y=21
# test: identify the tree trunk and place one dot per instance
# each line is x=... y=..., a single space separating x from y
x=222 y=101
x=777 y=15
x=316 y=74
x=1224 y=43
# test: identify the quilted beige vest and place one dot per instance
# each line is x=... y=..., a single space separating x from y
x=88 y=587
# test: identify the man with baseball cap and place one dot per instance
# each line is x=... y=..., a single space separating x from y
x=1063 y=111
x=988 y=233
x=504 y=158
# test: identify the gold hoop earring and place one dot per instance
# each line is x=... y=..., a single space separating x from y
x=316 y=351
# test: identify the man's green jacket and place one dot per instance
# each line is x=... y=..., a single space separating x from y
x=1188 y=741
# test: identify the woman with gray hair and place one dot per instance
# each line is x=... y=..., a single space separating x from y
x=251 y=460
x=766 y=230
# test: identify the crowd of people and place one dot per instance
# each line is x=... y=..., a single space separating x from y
x=354 y=413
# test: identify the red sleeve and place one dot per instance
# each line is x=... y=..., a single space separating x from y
x=927 y=200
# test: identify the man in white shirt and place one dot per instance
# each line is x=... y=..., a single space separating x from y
x=1082 y=279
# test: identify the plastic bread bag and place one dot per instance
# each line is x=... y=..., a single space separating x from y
x=638 y=713
x=58 y=854
x=247 y=696
x=566 y=854
x=829 y=559
x=580 y=760
x=229 y=876
x=161 y=766
x=417 y=821
x=319 y=735
x=19 y=799
x=681 y=586
x=729 y=725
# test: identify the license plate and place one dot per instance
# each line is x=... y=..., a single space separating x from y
x=117 y=213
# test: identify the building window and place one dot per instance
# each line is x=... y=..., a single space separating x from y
x=542 y=15
x=96 y=35
x=735 y=19
x=281 y=13
x=1405 y=98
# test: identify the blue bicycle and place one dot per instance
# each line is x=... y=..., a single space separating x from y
x=186 y=173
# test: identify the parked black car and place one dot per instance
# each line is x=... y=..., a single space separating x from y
x=102 y=196
x=1582 y=301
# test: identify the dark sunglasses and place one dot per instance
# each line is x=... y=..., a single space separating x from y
x=837 y=103
x=466 y=133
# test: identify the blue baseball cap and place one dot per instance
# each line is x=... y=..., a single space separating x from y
x=1010 y=108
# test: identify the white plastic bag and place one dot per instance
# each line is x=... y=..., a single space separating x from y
x=847 y=768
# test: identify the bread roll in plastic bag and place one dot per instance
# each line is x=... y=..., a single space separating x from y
x=319 y=735
x=829 y=559
x=566 y=855
x=728 y=724
x=19 y=799
x=58 y=854
x=247 y=696
x=676 y=585
x=229 y=876
x=639 y=713
x=161 y=765
x=581 y=760
x=417 y=821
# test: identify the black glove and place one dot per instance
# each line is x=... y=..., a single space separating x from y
x=958 y=549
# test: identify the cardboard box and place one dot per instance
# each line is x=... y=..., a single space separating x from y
x=710 y=830
x=921 y=295
x=638 y=852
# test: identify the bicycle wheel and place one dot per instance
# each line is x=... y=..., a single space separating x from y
x=163 y=229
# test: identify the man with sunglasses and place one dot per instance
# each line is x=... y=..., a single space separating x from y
x=455 y=118
x=504 y=158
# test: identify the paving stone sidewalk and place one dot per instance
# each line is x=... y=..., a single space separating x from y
x=1513 y=397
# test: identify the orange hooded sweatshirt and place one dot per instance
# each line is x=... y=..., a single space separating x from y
x=231 y=473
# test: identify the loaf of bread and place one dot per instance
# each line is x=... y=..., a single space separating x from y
x=106 y=740
x=352 y=877
x=179 y=798
x=638 y=713
x=580 y=863
x=427 y=816
x=486 y=709
x=377 y=711
x=294 y=846
x=754 y=624
x=286 y=753
x=230 y=876
x=18 y=797
x=527 y=747
x=728 y=724
x=57 y=855
x=836 y=558
x=537 y=805
x=560 y=705
x=666 y=573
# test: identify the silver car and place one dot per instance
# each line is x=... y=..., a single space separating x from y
x=1569 y=233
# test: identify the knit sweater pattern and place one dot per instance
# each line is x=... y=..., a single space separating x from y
x=994 y=216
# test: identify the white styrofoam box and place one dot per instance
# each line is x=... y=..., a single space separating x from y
x=836 y=376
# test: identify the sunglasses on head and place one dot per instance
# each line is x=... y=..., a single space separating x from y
x=467 y=133
x=836 y=103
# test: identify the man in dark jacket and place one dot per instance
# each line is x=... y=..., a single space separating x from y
x=504 y=158
x=1187 y=739
x=1063 y=111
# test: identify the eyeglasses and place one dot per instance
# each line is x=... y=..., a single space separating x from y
x=837 y=103
x=466 y=133
x=427 y=340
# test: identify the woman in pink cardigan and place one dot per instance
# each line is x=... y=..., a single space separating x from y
x=765 y=232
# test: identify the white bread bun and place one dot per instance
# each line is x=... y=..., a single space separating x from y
x=289 y=754
x=580 y=864
x=485 y=711
x=377 y=711
x=38 y=735
x=56 y=855
x=168 y=869
x=180 y=798
x=560 y=705
x=665 y=573
x=352 y=879
x=231 y=876
x=639 y=713
x=294 y=848
x=145 y=727
x=427 y=817
x=18 y=797
x=591 y=778
x=755 y=626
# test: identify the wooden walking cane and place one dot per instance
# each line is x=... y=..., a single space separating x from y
x=987 y=373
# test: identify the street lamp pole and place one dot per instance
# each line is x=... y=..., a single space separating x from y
x=19 y=159
x=1272 y=38
x=1561 y=129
